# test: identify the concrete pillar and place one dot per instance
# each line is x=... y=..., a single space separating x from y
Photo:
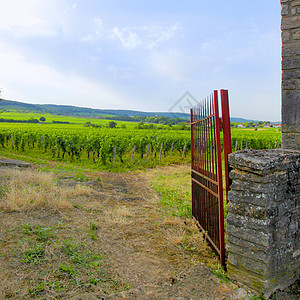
x=290 y=26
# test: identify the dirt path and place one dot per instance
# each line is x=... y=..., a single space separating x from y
x=144 y=247
x=148 y=254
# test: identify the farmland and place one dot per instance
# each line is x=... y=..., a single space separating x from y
x=121 y=148
x=78 y=230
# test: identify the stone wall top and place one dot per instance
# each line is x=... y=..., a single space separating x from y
x=264 y=162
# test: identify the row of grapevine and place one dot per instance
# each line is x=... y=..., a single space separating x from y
x=103 y=145
x=97 y=145
x=258 y=140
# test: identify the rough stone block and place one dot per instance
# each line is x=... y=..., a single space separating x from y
x=263 y=162
x=249 y=279
x=291 y=84
x=291 y=63
x=295 y=10
x=249 y=223
x=295 y=2
x=291 y=111
x=285 y=10
x=252 y=236
x=290 y=49
x=286 y=35
x=260 y=199
x=291 y=140
x=254 y=266
x=251 y=211
x=296 y=35
x=245 y=248
x=289 y=22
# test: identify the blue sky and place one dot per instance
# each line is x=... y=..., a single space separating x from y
x=142 y=55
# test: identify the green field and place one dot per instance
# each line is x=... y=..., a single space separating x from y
x=16 y=115
x=110 y=148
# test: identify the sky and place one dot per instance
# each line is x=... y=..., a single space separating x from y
x=142 y=55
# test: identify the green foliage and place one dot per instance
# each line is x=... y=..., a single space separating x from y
x=112 y=124
x=175 y=199
x=41 y=234
x=67 y=268
x=34 y=254
x=92 y=231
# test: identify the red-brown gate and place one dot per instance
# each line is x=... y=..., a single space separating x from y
x=207 y=183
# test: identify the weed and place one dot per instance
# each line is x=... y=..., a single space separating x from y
x=218 y=270
x=67 y=268
x=94 y=280
x=93 y=226
x=174 y=201
x=78 y=255
x=79 y=176
x=37 y=289
x=92 y=231
x=34 y=254
x=260 y=297
x=42 y=234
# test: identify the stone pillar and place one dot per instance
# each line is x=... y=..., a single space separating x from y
x=263 y=219
x=290 y=26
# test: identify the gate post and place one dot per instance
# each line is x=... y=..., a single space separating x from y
x=220 y=179
x=263 y=219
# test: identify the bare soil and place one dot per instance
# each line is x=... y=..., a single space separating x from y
x=115 y=243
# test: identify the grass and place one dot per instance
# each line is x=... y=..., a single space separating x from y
x=47 y=159
x=174 y=189
x=16 y=115
x=57 y=250
x=27 y=190
x=56 y=264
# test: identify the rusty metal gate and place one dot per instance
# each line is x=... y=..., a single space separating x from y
x=207 y=183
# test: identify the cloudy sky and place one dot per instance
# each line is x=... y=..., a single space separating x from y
x=142 y=55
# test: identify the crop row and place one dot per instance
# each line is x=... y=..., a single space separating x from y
x=98 y=145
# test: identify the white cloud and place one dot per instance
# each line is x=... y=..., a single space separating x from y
x=171 y=64
x=145 y=36
x=39 y=83
x=33 y=17
x=98 y=31
x=159 y=34
x=129 y=40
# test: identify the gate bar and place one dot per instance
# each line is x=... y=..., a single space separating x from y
x=226 y=136
x=220 y=181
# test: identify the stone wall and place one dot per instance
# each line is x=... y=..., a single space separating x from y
x=263 y=219
x=290 y=74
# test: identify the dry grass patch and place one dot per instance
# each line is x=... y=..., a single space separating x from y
x=30 y=189
x=119 y=215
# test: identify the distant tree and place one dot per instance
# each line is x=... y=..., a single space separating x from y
x=112 y=124
x=42 y=119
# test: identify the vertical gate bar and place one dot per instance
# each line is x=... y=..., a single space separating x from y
x=226 y=136
x=192 y=161
x=201 y=137
x=215 y=146
x=206 y=138
x=220 y=187
x=192 y=140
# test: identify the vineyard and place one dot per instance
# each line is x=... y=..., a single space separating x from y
x=115 y=147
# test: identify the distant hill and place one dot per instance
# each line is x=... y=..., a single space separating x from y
x=69 y=110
